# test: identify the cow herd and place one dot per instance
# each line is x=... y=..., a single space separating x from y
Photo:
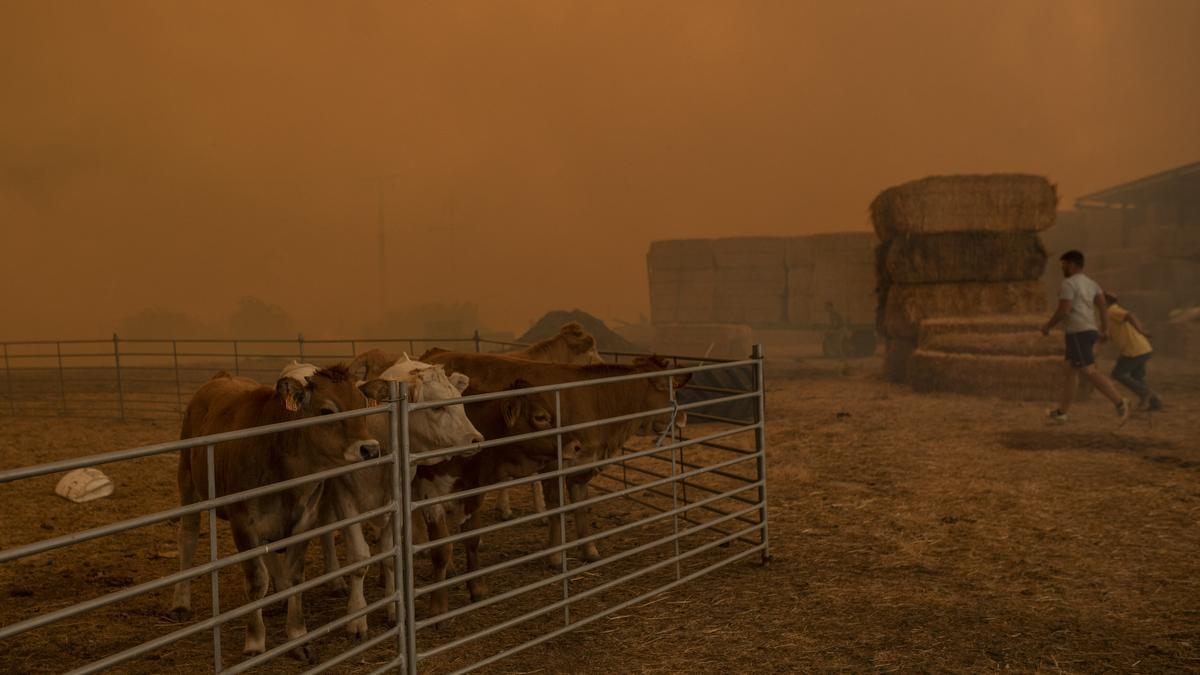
x=228 y=403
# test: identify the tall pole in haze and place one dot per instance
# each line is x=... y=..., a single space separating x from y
x=382 y=275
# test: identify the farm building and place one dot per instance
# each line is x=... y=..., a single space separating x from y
x=1141 y=238
x=726 y=292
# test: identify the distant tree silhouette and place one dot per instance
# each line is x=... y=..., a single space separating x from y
x=161 y=323
x=257 y=318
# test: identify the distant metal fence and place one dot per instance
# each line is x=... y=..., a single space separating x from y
x=699 y=504
x=146 y=379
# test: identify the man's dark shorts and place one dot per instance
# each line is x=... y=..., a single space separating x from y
x=1079 y=348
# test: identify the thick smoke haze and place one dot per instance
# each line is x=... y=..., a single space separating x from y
x=184 y=155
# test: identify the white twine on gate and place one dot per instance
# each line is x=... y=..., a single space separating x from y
x=670 y=425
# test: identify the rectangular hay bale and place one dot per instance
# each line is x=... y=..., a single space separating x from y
x=1012 y=377
x=963 y=203
x=909 y=304
x=965 y=256
x=680 y=254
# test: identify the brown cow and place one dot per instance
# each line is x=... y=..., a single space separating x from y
x=572 y=344
x=490 y=373
x=228 y=403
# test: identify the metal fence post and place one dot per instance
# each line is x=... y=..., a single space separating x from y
x=62 y=384
x=410 y=605
x=212 y=556
x=120 y=383
x=400 y=518
x=675 y=470
x=178 y=387
x=562 y=516
x=12 y=402
x=477 y=346
x=760 y=443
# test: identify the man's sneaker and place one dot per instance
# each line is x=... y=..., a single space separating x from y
x=1053 y=415
x=1123 y=410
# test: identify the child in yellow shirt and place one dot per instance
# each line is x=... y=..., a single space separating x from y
x=1132 y=339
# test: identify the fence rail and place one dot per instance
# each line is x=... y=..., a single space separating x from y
x=146 y=379
x=700 y=505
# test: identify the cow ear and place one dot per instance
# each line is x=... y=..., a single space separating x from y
x=511 y=409
x=358 y=367
x=294 y=394
x=375 y=391
x=460 y=381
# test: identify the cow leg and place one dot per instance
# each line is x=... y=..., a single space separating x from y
x=583 y=520
x=329 y=552
x=539 y=499
x=477 y=587
x=329 y=544
x=503 y=507
x=257 y=580
x=280 y=567
x=439 y=600
x=343 y=505
x=387 y=568
x=359 y=550
x=554 y=523
x=189 y=527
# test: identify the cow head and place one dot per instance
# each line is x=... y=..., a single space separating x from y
x=434 y=428
x=581 y=345
x=535 y=412
x=370 y=364
x=308 y=391
x=658 y=393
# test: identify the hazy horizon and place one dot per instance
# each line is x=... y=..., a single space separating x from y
x=186 y=155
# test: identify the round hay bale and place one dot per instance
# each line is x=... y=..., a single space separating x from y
x=1013 y=377
x=963 y=203
x=909 y=304
x=986 y=324
x=1029 y=343
x=965 y=256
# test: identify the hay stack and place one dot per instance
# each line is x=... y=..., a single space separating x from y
x=1001 y=202
x=957 y=275
x=1017 y=377
x=965 y=256
x=908 y=304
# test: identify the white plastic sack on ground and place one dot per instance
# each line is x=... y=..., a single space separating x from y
x=84 y=485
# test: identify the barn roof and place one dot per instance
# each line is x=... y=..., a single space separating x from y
x=1167 y=186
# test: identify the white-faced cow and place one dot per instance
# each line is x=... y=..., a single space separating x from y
x=429 y=429
x=491 y=373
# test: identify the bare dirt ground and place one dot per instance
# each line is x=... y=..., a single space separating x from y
x=909 y=532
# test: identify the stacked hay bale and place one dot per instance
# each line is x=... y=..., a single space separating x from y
x=830 y=268
x=958 y=248
x=751 y=280
x=683 y=281
x=1001 y=355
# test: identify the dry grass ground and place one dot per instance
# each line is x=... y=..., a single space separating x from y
x=909 y=532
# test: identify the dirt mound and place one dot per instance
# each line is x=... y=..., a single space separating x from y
x=549 y=325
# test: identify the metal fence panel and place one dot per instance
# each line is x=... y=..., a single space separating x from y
x=694 y=512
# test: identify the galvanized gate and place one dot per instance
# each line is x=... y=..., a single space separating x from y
x=684 y=507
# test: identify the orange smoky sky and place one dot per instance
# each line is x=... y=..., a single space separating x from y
x=186 y=154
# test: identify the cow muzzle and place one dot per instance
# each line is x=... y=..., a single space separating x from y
x=362 y=450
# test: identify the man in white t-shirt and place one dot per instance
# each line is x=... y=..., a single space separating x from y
x=1080 y=301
